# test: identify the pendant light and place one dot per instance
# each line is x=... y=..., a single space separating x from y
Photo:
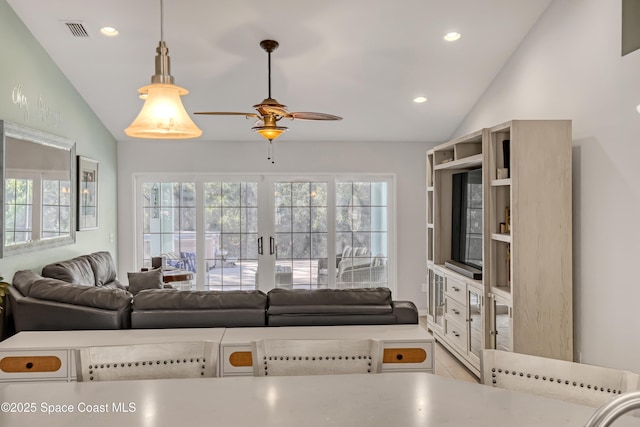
x=163 y=116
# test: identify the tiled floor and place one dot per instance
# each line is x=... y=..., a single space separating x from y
x=449 y=366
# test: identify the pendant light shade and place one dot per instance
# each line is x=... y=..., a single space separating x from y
x=163 y=116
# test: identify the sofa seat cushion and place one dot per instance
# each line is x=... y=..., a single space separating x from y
x=330 y=297
x=172 y=299
x=301 y=310
x=77 y=271
x=90 y=296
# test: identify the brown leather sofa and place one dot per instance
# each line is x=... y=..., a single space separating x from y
x=83 y=293
x=80 y=293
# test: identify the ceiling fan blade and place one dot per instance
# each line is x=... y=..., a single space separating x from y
x=312 y=116
x=225 y=113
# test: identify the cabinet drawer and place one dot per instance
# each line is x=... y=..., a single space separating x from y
x=455 y=311
x=408 y=356
x=30 y=365
x=455 y=290
x=457 y=334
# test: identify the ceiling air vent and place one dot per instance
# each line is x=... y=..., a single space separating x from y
x=77 y=29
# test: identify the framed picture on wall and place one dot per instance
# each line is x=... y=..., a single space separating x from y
x=87 y=193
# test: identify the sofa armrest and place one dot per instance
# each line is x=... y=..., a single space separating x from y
x=405 y=312
x=30 y=314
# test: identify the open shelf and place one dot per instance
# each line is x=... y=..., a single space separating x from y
x=501 y=182
x=501 y=237
x=502 y=291
x=466 y=162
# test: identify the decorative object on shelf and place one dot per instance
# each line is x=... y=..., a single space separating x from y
x=163 y=116
x=271 y=111
x=502 y=173
x=506 y=155
x=503 y=228
x=87 y=193
x=508 y=265
x=507 y=219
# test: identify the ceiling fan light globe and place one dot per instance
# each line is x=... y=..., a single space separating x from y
x=163 y=116
x=270 y=132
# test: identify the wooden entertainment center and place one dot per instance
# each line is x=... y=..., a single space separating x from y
x=524 y=300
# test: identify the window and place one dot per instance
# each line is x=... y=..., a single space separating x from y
x=56 y=208
x=19 y=205
x=361 y=233
x=269 y=231
x=38 y=207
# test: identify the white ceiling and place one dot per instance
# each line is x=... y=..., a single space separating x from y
x=364 y=60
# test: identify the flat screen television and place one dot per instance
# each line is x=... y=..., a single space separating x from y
x=466 y=222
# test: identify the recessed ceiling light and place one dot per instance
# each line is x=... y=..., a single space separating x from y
x=638 y=108
x=109 y=31
x=452 y=36
x=420 y=99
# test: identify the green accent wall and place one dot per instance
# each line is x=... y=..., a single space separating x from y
x=35 y=93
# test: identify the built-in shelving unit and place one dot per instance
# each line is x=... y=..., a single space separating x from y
x=523 y=302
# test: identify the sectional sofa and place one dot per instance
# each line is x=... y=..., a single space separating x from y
x=84 y=293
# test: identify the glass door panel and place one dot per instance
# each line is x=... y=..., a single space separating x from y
x=300 y=224
x=361 y=234
x=439 y=300
x=474 y=301
x=501 y=319
x=230 y=235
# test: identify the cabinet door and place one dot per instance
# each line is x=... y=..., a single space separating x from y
x=475 y=310
x=501 y=324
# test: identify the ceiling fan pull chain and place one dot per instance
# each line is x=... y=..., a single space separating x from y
x=270 y=155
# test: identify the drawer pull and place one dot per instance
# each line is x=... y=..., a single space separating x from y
x=457 y=335
x=404 y=355
x=241 y=358
x=456 y=312
x=455 y=289
x=30 y=364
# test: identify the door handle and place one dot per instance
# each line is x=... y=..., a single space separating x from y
x=260 y=248
x=272 y=245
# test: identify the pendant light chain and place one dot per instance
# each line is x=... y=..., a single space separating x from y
x=161 y=20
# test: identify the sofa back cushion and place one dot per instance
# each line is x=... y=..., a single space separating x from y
x=104 y=269
x=89 y=296
x=172 y=299
x=328 y=297
x=76 y=271
x=140 y=281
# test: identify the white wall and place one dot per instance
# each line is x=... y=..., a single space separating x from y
x=405 y=160
x=569 y=67
x=26 y=64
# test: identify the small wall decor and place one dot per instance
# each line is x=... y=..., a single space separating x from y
x=87 y=193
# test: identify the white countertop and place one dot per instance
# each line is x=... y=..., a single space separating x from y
x=89 y=338
x=384 y=400
x=389 y=333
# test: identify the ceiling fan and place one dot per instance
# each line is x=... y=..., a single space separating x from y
x=271 y=111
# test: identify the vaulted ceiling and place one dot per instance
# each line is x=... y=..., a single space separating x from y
x=364 y=60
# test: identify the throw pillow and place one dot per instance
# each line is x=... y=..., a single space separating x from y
x=151 y=279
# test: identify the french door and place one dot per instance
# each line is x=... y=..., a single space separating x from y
x=261 y=232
